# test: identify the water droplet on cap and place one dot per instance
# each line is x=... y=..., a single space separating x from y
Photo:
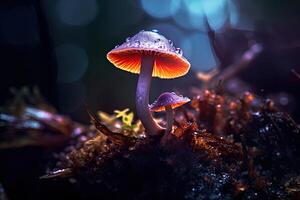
x=116 y=46
x=179 y=51
x=128 y=39
x=155 y=31
x=137 y=42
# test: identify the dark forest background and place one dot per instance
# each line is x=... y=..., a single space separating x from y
x=61 y=46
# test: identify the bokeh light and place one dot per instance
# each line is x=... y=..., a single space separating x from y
x=212 y=7
x=283 y=100
x=197 y=9
x=233 y=13
x=159 y=8
x=198 y=51
x=190 y=14
x=189 y=20
x=194 y=6
x=72 y=62
x=217 y=19
x=77 y=12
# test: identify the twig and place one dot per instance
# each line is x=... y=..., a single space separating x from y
x=241 y=64
x=67 y=172
x=116 y=138
x=295 y=73
x=205 y=77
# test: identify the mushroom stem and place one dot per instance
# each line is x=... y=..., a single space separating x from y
x=142 y=96
x=170 y=119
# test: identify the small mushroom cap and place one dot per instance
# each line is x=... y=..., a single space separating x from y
x=169 y=61
x=168 y=99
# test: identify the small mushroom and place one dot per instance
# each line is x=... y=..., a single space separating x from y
x=148 y=54
x=167 y=102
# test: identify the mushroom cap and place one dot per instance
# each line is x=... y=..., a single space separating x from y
x=168 y=99
x=168 y=60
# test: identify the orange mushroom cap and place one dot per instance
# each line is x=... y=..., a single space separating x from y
x=168 y=60
x=168 y=99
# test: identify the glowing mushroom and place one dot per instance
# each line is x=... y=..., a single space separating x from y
x=167 y=102
x=148 y=54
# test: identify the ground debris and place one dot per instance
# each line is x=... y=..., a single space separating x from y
x=222 y=147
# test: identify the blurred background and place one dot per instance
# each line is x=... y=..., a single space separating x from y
x=61 y=46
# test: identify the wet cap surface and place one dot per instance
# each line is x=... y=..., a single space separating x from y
x=168 y=99
x=169 y=61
